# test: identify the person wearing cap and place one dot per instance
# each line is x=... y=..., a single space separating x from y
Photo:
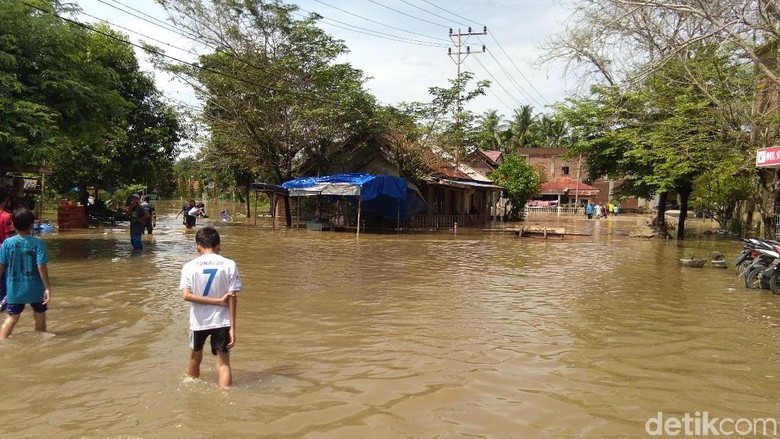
x=138 y=217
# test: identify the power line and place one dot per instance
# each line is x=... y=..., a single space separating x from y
x=452 y=13
x=408 y=15
x=514 y=81
x=377 y=34
x=424 y=10
x=518 y=70
x=138 y=33
x=211 y=46
x=378 y=22
x=498 y=98
x=499 y=46
x=498 y=83
x=157 y=22
x=217 y=72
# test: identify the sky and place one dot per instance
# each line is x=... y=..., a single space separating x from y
x=401 y=45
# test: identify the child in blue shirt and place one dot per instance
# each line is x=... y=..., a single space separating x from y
x=27 y=277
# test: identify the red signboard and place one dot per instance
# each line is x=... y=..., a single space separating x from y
x=768 y=157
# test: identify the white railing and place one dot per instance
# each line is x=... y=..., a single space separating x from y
x=554 y=210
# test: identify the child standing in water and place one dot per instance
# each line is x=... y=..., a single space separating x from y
x=27 y=277
x=210 y=283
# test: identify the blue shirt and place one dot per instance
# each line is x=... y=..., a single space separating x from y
x=589 y=209
x=21 y=256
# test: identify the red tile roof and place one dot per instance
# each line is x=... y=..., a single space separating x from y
x=562 y=184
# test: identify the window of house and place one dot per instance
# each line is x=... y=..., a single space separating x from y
x=565 y=170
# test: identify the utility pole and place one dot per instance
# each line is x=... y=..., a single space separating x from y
x=458 y=56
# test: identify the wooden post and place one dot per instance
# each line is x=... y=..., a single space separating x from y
x=398 y=216
x=255 y=207
x=360 y=207
x=298 y=213
x=273 y=210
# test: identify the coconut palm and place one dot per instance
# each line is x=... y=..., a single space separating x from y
x=490 y=126
x=521 y=125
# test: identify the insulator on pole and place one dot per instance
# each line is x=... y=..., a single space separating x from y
x=450 y=31
x=469 y=29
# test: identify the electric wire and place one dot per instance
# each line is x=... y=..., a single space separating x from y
x=206 y=69
x=378 y=22
x=211 y=46
x=425 y=10
x=516 y=68
x=155 y=21
x=374 y=33
x=451 y=13
x=513 y=81
x=498 y=98
x=191 y=52
x=499 y=46
x=408 y=15
x=519 y=104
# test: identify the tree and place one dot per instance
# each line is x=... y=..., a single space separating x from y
x=520 y=180
x=277 y=104
x=445 y=126
x=521 y=124
x=73 y=97
x=624 y=42
x=488 y=132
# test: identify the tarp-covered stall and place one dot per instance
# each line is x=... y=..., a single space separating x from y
x=385 y=196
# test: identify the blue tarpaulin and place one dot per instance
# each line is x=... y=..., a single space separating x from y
x=380 y=194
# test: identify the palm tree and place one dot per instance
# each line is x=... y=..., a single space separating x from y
x=490 y=125
x=553 y=131
x=521 y=124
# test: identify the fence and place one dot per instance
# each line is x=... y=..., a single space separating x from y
x=529 y=210
x=442 y=221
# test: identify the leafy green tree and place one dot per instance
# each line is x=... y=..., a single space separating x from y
x=74 y=98
x=662 y=136
x=277 y=104
x=444 y=122
x=521 y=181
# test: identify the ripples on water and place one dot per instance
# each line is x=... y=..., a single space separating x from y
x=429 y=335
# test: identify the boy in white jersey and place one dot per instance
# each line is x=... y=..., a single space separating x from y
x=210 y=283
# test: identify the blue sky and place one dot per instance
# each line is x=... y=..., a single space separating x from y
x=402 y=45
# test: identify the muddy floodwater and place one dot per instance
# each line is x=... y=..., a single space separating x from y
x=428 y=335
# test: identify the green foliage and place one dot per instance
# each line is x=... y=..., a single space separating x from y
x=277 y=104
x=520 y=179
x=76 y=100
x=719 y=189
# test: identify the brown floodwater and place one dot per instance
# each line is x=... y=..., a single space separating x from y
x=393 y=336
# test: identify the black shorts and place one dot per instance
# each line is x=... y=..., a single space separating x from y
x=220 y=338
x=189 y=221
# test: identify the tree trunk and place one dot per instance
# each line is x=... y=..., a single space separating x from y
x=660 y=217
x=685 y=194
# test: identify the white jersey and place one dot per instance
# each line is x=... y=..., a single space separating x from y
x=210 y=275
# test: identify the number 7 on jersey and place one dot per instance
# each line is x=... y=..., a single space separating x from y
x=211 y=272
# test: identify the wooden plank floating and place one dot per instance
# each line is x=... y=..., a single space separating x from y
x=537 y=232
